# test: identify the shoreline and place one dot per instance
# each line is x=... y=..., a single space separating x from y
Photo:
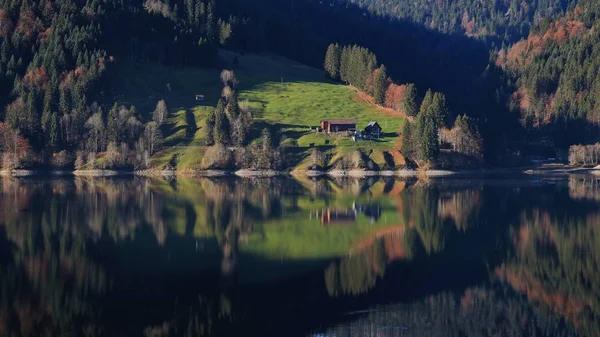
x=335 y=173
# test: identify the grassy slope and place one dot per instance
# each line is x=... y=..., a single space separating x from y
x=281 y=93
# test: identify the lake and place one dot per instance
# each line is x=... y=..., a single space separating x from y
x=505 y=256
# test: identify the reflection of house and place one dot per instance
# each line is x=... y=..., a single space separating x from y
x=347 y=216
x=338 y=125
x=373 y=130
x=371 y=211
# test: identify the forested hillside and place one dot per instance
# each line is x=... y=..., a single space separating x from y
x=497 y=22
x=58 y=62
x=557 y=78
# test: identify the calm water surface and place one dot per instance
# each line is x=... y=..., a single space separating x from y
x=284 y=257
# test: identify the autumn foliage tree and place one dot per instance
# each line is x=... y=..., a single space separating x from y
x=394 y=96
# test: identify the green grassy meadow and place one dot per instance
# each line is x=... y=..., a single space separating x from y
x=282 y=94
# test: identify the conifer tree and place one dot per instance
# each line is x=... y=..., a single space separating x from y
x=345 y=65
x=112 y=126
x=222 y=126
x=425 y=108
x=439 y=108
x=332 y=61
x=210 y=127
x=379 y=85
x=410 y=101
x=407 y=140
x=427 y=146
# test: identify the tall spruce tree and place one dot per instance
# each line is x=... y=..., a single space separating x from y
x=222 y=126
x=439 y=108
x=426 y=103
x=210 y=127
x=332 y=61
x=427 y=138
x=408 y=145
x=379 y=85
x=410 y=101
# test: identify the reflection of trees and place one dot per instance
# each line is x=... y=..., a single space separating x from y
x=557 y=265
x=477 y=312
x=459 y=206
x=584 y=187
x=429 y=216
x=234 y=206
x=60 y=236
x=358 y=272
x=420 y=211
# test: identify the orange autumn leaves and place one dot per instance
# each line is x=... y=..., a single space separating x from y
x=522 y=52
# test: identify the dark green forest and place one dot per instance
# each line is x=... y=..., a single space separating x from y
x=521 y=71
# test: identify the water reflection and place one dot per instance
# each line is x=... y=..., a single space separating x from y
x=202 y=257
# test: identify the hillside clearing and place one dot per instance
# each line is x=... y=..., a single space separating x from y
x=285 y=96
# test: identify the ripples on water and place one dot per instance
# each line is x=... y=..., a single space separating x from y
x=267 y=257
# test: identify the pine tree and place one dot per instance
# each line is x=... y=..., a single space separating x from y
x=439 y=108
x=210 y=127
x=112 y=126
x=222 y=126
x=211 y=20
x=410 y=101
x=425 y=108
x=345 y=65
x=332 y=61
x=379 y=85
x=407 y=140
x=427 y=138
x=53 y=135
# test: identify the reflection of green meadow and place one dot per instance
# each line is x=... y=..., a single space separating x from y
x=297 y=236
x=297 y=233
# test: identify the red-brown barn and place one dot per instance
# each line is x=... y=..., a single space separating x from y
x=338 y=125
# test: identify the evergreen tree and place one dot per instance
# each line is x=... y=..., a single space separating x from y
x=407 y=140
x=222 y=125
x=439 y=108
x=332 y=61
x=427 y=138
x=410 y=101
x=53 y=134
x=425 y=108
x=345 y=65
x=380 y=85
x=210 y=127
x=112 y=124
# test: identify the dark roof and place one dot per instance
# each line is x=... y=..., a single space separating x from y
x=339 y=121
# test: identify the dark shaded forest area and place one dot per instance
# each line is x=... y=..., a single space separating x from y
x=56 y=58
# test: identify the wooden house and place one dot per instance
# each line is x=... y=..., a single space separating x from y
x=373 y=130
x=338 y=125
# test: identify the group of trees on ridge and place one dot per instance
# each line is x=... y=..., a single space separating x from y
x=229 y=124
x=358 y=66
